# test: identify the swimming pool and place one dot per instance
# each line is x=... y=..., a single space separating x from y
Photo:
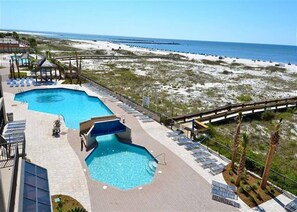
x=121 y=165
x=75 y=106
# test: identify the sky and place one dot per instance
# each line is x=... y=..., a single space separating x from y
x=246 y=21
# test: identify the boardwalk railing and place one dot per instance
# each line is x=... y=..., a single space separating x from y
x=88 y=57
x=233 y=109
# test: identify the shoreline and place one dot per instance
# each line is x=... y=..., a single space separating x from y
x=108 y=45
x=192 y=55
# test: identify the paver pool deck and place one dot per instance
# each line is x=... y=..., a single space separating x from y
x=180 y=185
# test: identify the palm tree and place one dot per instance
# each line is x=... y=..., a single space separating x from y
x=274 y=141
x=236 y=140
x=241 y=167
x=70 y=72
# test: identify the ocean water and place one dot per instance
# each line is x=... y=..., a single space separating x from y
x=264 y=52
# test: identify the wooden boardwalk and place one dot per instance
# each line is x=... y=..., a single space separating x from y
x=232 y=110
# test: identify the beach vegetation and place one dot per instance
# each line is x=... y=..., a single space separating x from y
x=213 y=62
x=15 y=35
x=268 y=115
x=275 y=69
x=244 y=98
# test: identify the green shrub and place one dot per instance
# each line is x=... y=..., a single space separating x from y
x=212 y=130
x=251 y=198
x=258 y=182
x=240 y=189
x=268 y=115
x=244 y=98
x=248 y=188
x=232 y=180
x=230 y=172
x=254 y=186
x=22 y=74
x=258 y=196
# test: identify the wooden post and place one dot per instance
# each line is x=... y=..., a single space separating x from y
x=70 y=67
x=51 y=75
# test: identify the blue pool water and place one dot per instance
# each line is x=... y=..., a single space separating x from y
x=120 y=165
x=75 y=106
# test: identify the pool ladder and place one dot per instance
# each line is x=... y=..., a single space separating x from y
x=151 y=167
x=61 y=117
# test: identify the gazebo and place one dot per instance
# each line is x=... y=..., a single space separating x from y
x=45 y=68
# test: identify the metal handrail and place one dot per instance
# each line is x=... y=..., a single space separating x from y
x=13 y=185
x=164 y=158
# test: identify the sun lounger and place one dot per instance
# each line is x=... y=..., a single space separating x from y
x=192 y=146
x=224 y=194
x=14 y=139
x=8 y=81
x=183 y=141
x=17 y=122
x=201 y=158
x=217 y=169
x=147 y=120
x=16 y=127
x=223 y=186
x=292 y=206
x=177 y=137
x=174 y=133
x=13 y=131
x=208 y=163
x=199 y=151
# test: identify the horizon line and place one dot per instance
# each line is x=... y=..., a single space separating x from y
x=76 y=33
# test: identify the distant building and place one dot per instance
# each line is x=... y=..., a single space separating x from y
x=11 y=45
